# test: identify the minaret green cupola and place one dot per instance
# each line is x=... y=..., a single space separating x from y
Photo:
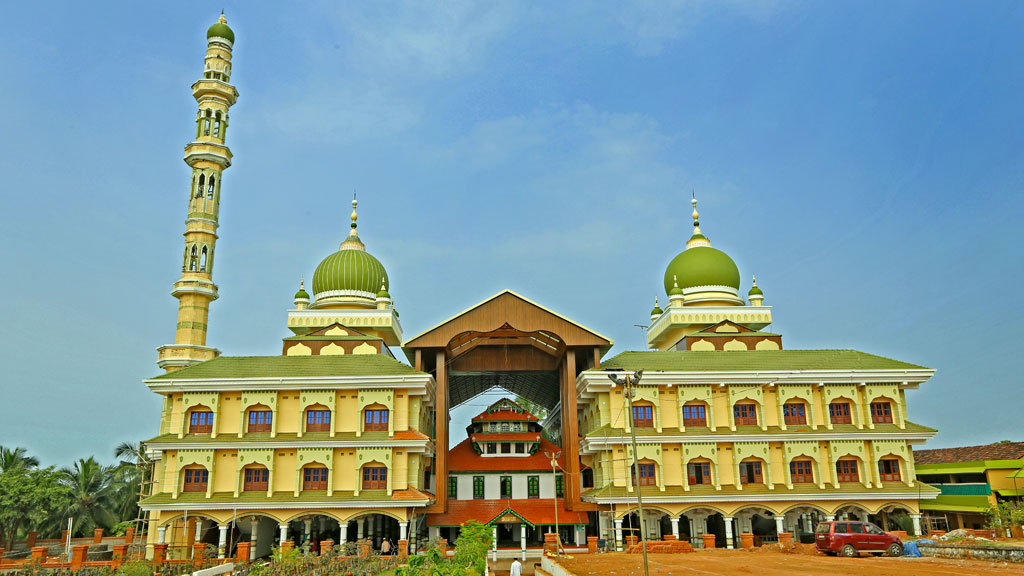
x=350 y=277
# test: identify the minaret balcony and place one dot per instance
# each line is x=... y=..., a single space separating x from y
x=208 y=87
x=210 y=151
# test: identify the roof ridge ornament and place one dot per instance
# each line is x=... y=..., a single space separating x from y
x=352 y=241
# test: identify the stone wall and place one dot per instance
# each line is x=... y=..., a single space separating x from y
x=975 y=552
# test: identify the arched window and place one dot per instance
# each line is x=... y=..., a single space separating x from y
x=193 y=260
x=202 y=260
x=260 y=419
x=206 y=124
x=647 y=473
x=643 y=415
x=846 y=470
x=839 y=412
x=801 y=471
x=745 y=414
x=881 y=412
x=698 y=472
x=196 y=480
x=751 y=472
x=695 y=415
x=216 y=124
x=255 y=479
x=209 y=188
x=200 y=420
x=889 y=470
x=202 y=185
x=314 y=477
x=375 y=419
x=318 y=419
x=794 y=413
x=375 y=477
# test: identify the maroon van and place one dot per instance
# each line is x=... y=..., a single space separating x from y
x=850 y=538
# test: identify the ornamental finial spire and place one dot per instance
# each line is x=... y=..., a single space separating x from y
x=697 y=239
x=352 y=241
x=354 y=216
x=222 y=19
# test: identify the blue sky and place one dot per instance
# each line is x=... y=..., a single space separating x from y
x=864 y=160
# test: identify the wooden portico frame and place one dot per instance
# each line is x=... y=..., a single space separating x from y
x=508 y=334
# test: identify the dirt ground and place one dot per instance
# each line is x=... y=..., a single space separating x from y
x=773 y=563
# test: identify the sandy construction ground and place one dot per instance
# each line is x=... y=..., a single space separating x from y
x=773 y=563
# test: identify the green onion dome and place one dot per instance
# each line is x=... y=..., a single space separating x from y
x=302 y=294
x=221 y=30
x=351 y=271
x=755 y=291
x=702 y=266
x=656 y=311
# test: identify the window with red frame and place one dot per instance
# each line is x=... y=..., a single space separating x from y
x=256 y=479
x=375 y=421
x=800 y=472
x=375 y=478
x=196 y=480
x=643 y=416
x=698 y=473
x=794 y=413
x=646 y=475
x=200 y=423
x=846 y=471
x=750 y=473
x=695 y=415
x=889 y=470
x=881 y=412
x=318 y=421
x=839 y=412
x=314 y=478
x=260 y=420
x=745 y=414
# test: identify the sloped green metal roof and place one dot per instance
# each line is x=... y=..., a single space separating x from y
x=798 y=490
x=607 y=431
x=691 y=361
x=264 y=437
x=259 y=497
x=957 y=503
x=292 y=366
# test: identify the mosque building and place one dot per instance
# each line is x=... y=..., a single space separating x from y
x=337 y=439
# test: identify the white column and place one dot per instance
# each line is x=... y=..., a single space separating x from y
x=359 y=528
x=829 y=518
x=344 y=533
x=199 y=529
x=307 y=526
x=618 y=535
x=675 y=526
x=284 y=534
x=222 y=540
x=779 y=528
x=917 y=523
x=522 y=539
x=254 y=524
x=494 y=536
x=728 y=532
x=403 y=530
x=161 y=535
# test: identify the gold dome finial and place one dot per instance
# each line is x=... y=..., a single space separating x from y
x=754 y=278
x=695 y=215
x=354 y=216
x=222 y=19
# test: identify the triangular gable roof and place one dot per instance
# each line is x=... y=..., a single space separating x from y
x=526 y=415
x=522 y=313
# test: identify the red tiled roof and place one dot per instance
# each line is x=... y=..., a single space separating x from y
x=506 y=415
x=463 y=458
x=1007 y=451
x=410 y=494
x=535 y=511
x=409 y=435
x=505 y=436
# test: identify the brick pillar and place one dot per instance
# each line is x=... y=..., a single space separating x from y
x=120 y=553
x=631 y=541
x=592 y=544
x=78 y=554
x=159 y=553
x=31 y=542
x=669 y=538
x=403 y=549
x=287 y=546
x=709 y=541
x=785 y=538
x=364 y=548
x=442 y=546
x=550 y=543
x=326 y=546
x=746 y=540
x=129 y=535
x=198 y=552
x=39 y=554
x=97 y=536
x=242 y=553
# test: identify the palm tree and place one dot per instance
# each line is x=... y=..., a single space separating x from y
x=129 y=475
x=92 y=492
x=13 y=459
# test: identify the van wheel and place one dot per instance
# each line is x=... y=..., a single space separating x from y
x=895 y=550
x=848 y=551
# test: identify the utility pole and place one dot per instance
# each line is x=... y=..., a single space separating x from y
x=554 y=477
x=629 y=383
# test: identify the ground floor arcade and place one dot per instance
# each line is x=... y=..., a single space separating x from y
x=764 y=520
x=223 y=530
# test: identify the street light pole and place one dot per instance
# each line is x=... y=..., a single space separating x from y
x=554 y=477
x=629 y=388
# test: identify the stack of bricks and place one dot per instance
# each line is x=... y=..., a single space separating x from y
x=667 y=546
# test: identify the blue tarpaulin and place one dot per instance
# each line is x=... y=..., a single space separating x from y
x=910 y=548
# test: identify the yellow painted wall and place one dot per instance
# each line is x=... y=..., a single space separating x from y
x=225 y=470
x=229 y=419
x=400 y=470
x=284 y=470
x=400 y=415
x=345 y=460
x=288 y=415
x=771 y=407
x=672 y=463
x=348 y=419
x=669 y=408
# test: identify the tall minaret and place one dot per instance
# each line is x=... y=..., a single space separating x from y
x=208 y=156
